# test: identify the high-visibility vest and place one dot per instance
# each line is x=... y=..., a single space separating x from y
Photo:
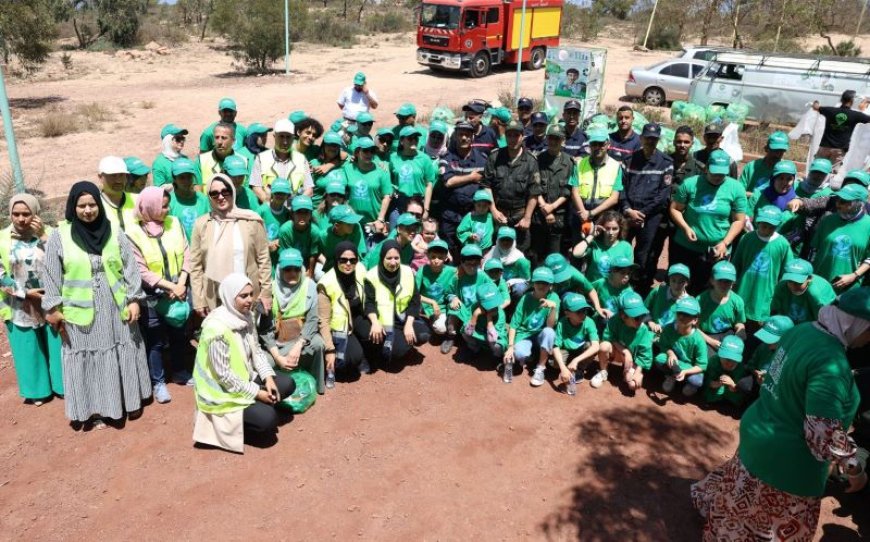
x=296 y=307
x=296 y=176
x=388 y=303
x=595 y=184
x=124 y=216
x=161 y=252
x=340 y=318
x=209 y=166
x=6 y=262
x=77 y=292
x=211 y=398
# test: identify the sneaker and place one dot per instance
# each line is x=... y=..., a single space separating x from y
x=599 y=379
x=330 y=380
x=446 y=345
x=537 y=377
x=161 y=393
x=183 y=378
x=669 y=384
x=364 y=367
x=507 y=373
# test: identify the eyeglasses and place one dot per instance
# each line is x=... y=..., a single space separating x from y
x=346 y=261
x=215 y=194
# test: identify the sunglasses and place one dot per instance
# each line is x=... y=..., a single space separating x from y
x=179 y=139
x=215 y=194
x=471 y=259
x=367 y=151
x=346 y=261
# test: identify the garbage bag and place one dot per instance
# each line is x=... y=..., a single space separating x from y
x=305 y=393
x=639 y=121
x=666 y=142
x=731 y=142
x=677 y=110
x=737 y=113
x=444 y=114
x=715 y=113
x=601 y=122
x=694 y=114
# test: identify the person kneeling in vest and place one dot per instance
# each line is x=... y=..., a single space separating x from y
x=236 y=387
x=292 y=339
x=391 y=299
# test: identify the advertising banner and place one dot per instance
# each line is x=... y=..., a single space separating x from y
x=574 y=74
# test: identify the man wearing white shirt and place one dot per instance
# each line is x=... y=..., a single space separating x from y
x=357 y=99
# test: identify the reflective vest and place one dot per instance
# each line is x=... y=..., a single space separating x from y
x=124 y=216
x=211 y=398
x=389 y=304
x=209 y=166
x=340 y=318
x=165 y=251
x=296 y=307
x=77 y=292
x=597 y=184
x=6 y=261
x=298 y=166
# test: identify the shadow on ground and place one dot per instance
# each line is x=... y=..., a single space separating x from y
x=34 y=103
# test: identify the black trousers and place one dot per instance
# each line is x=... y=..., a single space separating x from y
x=399 y=347
x=514 y=215
x=261 y=417
x=644 y=240
x=700 y=264
x=546 y=239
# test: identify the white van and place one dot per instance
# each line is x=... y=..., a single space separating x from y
x=778 y=87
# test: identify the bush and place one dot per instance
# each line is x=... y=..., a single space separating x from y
x=163 y=33
x=56 y=123
x=329 y=30
x=664 y=37
x=584 y=23
x=785 y=45
x=119 y=20
x=388 y=22
x=94 y=113
x=844 y=48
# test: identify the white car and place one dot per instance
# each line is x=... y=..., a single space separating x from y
x=663 y=82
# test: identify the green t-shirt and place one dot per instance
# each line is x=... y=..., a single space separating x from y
x=503 y=289
x=247 y=199
x=465 y=288
x=161 y=170
x=758 y=201
x=329 y=240
x=713 y=372
x=570 y=337
x=708 y=210
x=808 y=376
x=307 y=241
x=805 y=307
x=760 y=359
x=638 y=341
x=575 y=283
x=187 y=211
x=608 y=295
x=206 y=140
x=755 y=174
x=718 y=317
x=411 y=176
x=840 y=246
x=435 y=287
x=367 y=190
x=480 y=225
x=406 y=253
x=424 y=137
x=500 y=327
x=600 y=258
x=660 y=303
x=320 y=181
x=520 y=269
x=759 y=266
x=691 y=350
x=272 y=221
x=530 y=317
x=321 y=220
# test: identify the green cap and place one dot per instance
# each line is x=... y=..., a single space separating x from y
x=631 y=303
x=289 y=257
x=575 y=302
x=769 y=214
x=852 y=192
x=407 y=219
x=777 y=141
x=385 y=132
x=331 y=138
x=687 y=305
x=597 y=135
x=406 y=110
x=136 y=167
x=731 y=348
x=281 y=186
x=336 y=186
x=862 y=177
x=337 y=126
x=622 y=262
x=183 y=165
x=408 y=131
x=235 y=166
x=773 y=329
x=797 y=271
x=724 y=270
x=482 y=195
x=679 y=269
x=822 y=165
x=501 y=113
x=506 y=232
x=719 y=163
x=352 y=129
x=559 y=265
x=359 y=78
x=488 y=296
x=514 y=126
x=543 y=274
x=344 y=213
x=556 y=131
x=171 y=129
x=258 y=128
x=300 y=202
x=471 y=250
x=438 y=244
x=227 y=103
x=786 y=167
x=856 y=302
x=363 y=143
x=493 y=263
x=438 y=127
x=297 y=116
x=364 y=118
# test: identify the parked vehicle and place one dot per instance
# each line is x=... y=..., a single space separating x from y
x=704 y=52
x=778 y=87
x=663 y=82
x=475 y=35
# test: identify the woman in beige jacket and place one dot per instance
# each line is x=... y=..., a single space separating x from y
x=228 y=240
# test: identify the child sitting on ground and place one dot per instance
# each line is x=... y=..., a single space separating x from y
x=517 y=268
x=576 y=341
x=609 y=288
x=494 y=271
x=722 y=311
x=724 y=372
x=801 y=293
x=487 y=327
x=626 y=341
x=434 y=281
x=684 y=354
x=532 y=325
x=661 y=300
x=463 y=295
x=477 y=226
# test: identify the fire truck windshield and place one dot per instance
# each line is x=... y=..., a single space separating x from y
x=439 y=16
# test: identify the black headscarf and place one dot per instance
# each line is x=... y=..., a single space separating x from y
x=346 y=281
x=90 y=237
x=390 y=279
x=252 y=145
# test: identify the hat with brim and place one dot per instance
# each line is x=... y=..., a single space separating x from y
x=336 y=187
x=506 y=232
x=474 y=107
x=227 y=103
x=687 y=305
x=289 y=257
x=359 y=78
x=719 y=163
x=572 y=104
x=558 y=264
x=482 y=195
x=502 y=113
x=651 y=130
x=385 y=132
x=493 y=264
x=471 y=251
x=112 y=165
x=489 y=297
x=173 y=130
x=822 y=165
x=464 y=125
x=859 y=176
x=856 y=302
x=406 y=110
x=543 y=274
x=713 y=128
x=297 y=116
x=438 y=244
x=438 y=127
x=773 y=329
x=136 y=167
x=280 y=186
x=514 y=126
x=597 y=135
x=363 y=143
x=258 y=128
x=769 y=214
x=798 y=271
x=679 y=269
x=852 y=192
x=407 y=219
x=344 y=214
x=331 y=138
x=575 y=302
x=622 y=262
x=784 y=167
x=284 y=126
x=731 y=348
x=777 y=141
x=300 y=202
x=524 y=103
x=724 y=271
x=631 y=303
x=364 y=118
x=409 y=131
x=183 y=165
x=235 y=166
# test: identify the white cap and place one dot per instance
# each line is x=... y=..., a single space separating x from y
x=112 y=164
x=284 y=126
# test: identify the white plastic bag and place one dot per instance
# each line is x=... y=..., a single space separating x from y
x=731 y=142
x=858 y=156
x=806 y=125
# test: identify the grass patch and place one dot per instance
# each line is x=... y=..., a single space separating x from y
x=57 y=123
x=94 y=112
x=148 y=104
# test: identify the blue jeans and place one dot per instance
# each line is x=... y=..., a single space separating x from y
x=544 y=339
x=517 y=289
x=159 y=336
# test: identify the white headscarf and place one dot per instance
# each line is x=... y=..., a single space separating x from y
x=227 y=313
x=167 y=149
x=507 y=257
x=842 y=325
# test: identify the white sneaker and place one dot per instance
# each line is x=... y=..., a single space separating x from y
x=599 y=379
x=669 y=384
x=537 y=377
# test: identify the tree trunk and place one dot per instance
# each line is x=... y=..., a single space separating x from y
x=708 y=18
x=208 y=11
x=344 y=10
x=362 y=6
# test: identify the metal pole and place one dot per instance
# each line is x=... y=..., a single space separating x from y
x=520 y=57
x=287 y=37
x=649 y=25
x=860 y=19
x=17 y=175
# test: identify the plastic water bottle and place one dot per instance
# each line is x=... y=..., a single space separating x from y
x=508 y=374
x=572 y=385
x=388 y=346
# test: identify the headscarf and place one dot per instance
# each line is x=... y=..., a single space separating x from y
x=390 y=279
x=775 y=198
x=810 y=188
x=166 y=148
x=346 y=281
x=227 y=313
x=842 y=325
x=284 y=292
x=32 y=203
x=507 y=257
x=252 y=145
x=149 y=205
x=90 y=237
x=219 y=263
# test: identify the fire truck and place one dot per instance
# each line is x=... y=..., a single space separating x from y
x=474 y=35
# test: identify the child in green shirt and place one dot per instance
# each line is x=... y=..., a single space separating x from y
x=722 y=310
x=800 y=294
x=463 y=296
x=609 y=288
x=274 y=215
x=344 y=227
x=569 y=279
x=769 y=335
x=626 y=341
x=477 y=226
x=576 y=341
x=494 y=271
x=487 y=327
x=684 y=354
x=185 y=203
x=662 y=298
x=724 y=373
x=532 y=324
x=517 y=268
x=300 y=233
x=434 y=281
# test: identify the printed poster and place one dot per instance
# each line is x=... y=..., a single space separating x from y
x=574 y=74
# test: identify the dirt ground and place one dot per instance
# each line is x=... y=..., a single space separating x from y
x=439 y=449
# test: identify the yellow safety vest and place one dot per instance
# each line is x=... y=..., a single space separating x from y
x=209 y=166
x=6 y=261
x=211 y=398
x=124 y=216
x=340 y=318
x=389 y=304
x=296 y=307
x=603 y=184
x=158 y=252
x=77 y=292
x=296 y=176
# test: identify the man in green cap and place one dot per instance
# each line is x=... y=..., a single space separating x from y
x=596 y=184
x=364 y=124
x=413 y=173
x=548 y=222
x=172 y=139
x=227 y=112
x=301 y=233
x=499 y=118
x=137 y=174
x=357 y=98
x=282 y=162
x=406 y=114
x=185 y=202
x=757 y=173
x=210 y=163
x=511 y=175
x=274 y=214
x=801 y=293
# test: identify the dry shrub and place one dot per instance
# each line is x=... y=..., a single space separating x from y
x=148 y=104
x=56 y=123
x=94 y=112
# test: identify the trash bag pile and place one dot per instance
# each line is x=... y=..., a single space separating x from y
x=684 y=112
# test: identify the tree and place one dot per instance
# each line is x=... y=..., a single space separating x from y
x=119 y=20
x=619 y=9
x=27 y=29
